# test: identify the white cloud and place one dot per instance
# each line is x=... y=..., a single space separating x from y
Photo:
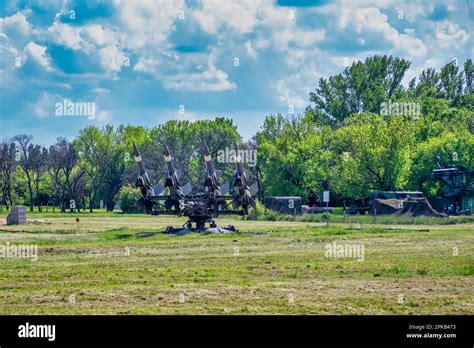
x=94 y=40
x=192 y=72
x=99 y=35
x=255 y=30
x=287 y=95
x=250 y=50
x=450 y=34
x=147 y=65
x=146 y=24
x=69 y=36
x=44 y=106
x=111 y=58
x=38 y=53
x=370 y=19
x=210 y=80
x=298 y=37
x=241 y=15
x=253 y=47
x=234 y=18
x=99 y=91
x=17 y=23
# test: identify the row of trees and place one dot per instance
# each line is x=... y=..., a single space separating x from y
x=345 y=143
x=342 y=142
x=94 y=166
x=65 y=174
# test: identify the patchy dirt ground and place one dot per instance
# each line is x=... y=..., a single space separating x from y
x=106 y=266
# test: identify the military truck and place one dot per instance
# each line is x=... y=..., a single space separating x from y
x=456 y=195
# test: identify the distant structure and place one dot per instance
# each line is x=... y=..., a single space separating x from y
x=17 y=215
x=362 y=207
x=284 y=205
x=456 y=196
x=418 y=206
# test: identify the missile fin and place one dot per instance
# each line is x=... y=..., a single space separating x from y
x=225 y=187
x=187 y=189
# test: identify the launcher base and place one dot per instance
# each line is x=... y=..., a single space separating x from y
x=198 y=224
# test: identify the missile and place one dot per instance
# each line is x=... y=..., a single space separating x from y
x=169 y=161
x=244 y=196
x=211 y=183
x=138 y=160
x=172 y=182
x=143 y=182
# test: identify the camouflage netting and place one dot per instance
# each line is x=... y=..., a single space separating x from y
x=404 y=207
x=384 y=206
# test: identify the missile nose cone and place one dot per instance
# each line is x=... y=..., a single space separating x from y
x=167 y=150
x=138 y=160
x=167 y=154
x=207 y=155
x=206 y=148
x=136 y=153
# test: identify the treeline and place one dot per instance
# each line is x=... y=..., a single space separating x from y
x=363 y=131
x=76 y=175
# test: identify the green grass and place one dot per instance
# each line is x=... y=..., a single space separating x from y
x=268 y=215
x=107 y=266
x=366 y=219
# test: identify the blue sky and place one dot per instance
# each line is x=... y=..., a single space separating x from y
x=139 y=61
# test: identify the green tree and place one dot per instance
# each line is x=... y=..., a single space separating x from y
x=373 y=154
x=453 y=148
x=294 y=157
x=451 y=81
x=93 y=151
x=8 y=166
x=360 y=87
x=185 y=139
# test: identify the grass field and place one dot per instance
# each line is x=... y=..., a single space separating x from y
x=108 y=265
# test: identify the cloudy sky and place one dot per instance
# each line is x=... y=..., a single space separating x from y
x=145 y=62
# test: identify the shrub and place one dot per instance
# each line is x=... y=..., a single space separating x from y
x=256 y=214
x=128 y=197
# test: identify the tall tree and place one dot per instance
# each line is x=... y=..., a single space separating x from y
x=39 y=162
x=451 y=80
x=296 y=160
x=63 y=159
x=373 y=154
x=468 y=75
x=8 y=165
x=26 y=162
x=360 y=87
x=94 y=152
x=428 y=85
x=117 y=160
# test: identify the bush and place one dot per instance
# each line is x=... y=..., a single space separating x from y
x=128 y=197
x=260 y=211
x=263 y=214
